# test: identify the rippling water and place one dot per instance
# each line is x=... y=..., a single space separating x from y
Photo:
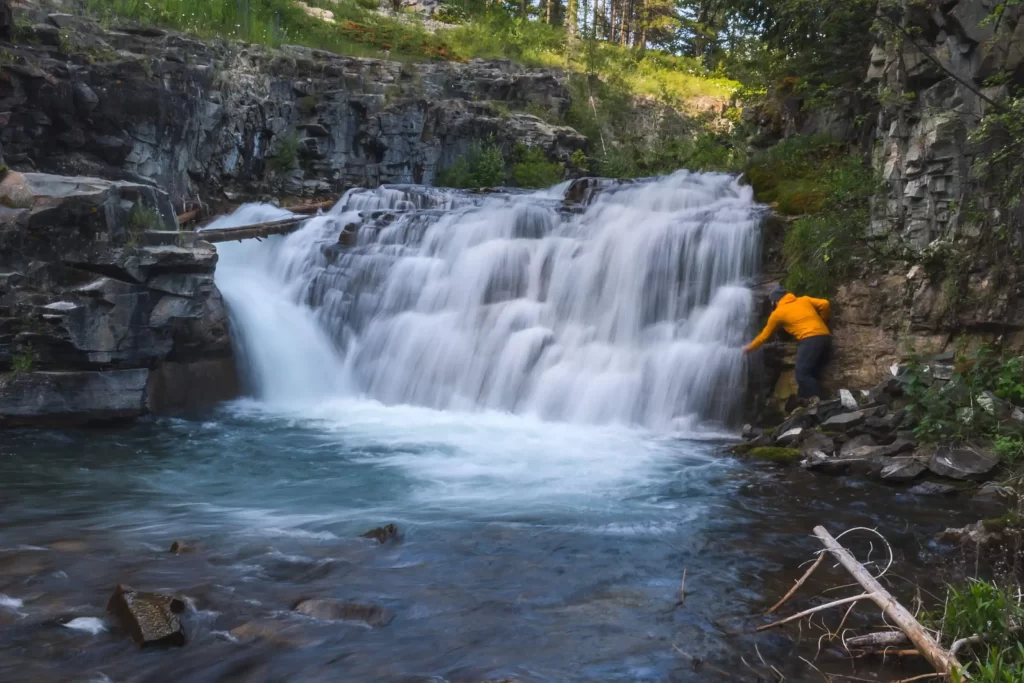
x=529 y=550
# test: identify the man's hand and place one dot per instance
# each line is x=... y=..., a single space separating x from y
x=747 y=350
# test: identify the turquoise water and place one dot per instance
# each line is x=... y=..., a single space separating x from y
x=529 y=550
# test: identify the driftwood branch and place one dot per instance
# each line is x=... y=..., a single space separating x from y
x=819 y=608
x=880 y=639
x=943 y=661
x=309 y=209
x=797 y=585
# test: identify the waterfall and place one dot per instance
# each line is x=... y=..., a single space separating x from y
x=631 y=309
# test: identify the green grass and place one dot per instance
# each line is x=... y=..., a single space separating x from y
x=985 y=609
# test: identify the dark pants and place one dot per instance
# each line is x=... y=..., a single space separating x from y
x=811 y=356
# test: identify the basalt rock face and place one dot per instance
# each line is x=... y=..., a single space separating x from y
x=207 y=118
x=106 y=310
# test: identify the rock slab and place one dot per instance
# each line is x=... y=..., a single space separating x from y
x=150 y=618
x=963 y=463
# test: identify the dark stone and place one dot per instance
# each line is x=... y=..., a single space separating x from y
x=382 y=534
x=963 y=463
x=856 y=444
x=181 y=547
x=791 y=437
x=347 y=238
x=931 y=488
x=903 y=469
x=844 y=421
x=150 y=618
x=333 y=610
x=816 y=442
x=6 y=21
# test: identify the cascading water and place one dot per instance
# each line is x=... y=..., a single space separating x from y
x=629 y=311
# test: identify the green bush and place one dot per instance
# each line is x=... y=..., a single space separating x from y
x=951 y=410
x=285 y=155
x=143 y=219
x=987 y=610
x=483 y=166
x=24 y=360
x=531 y=168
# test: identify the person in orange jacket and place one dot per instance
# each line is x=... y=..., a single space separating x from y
x=805 y=318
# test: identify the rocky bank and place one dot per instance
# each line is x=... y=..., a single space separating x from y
x=107 y=311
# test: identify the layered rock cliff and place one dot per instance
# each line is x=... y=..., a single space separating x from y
x=106 y=310
x=201 y=119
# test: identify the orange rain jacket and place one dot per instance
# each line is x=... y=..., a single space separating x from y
x=802 y=317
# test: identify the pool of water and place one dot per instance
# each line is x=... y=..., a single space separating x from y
x=529 y=550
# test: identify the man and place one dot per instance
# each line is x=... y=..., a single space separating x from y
x=804 y=318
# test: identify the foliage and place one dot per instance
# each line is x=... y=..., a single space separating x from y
x=285 y=156
x=992 y=612
x=482 y=166
x=952 y=410
x=816 y=178
x=356 y=31
x=1000 y=135
x=24 y=360
x=143 y=219
x=531 y=168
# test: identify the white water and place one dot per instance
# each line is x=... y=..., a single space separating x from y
x=632 y=312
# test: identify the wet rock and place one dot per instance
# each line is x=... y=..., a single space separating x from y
x=856 y=444
x=181 y=547
x=932 y=488
x=275 y=631
x=150 y=618
x=844 y=421
x=333 y=610
x=69 y=546
x=789 y=437
x=382 y=534
x=963 y=463
x=869 y=451
x=816 y=442
x=751 y=432
x=847 y=399
x=868 y=466
x=903 y=469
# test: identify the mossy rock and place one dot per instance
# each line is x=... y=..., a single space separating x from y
x=1007 y=522
x=774 y=454
x=763 y=179
x=799 y=198
x=741 y=448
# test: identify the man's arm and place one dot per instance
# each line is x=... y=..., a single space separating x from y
x=822 y=306
x=769 y=328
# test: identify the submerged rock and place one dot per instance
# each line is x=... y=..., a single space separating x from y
x=150 y=618
x=181 y=547
x=333 y=610
x=382 y=534
x=931 y=488
x=963 y=463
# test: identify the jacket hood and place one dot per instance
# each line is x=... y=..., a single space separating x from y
x=788 y=298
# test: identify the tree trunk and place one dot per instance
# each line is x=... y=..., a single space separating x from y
x=526 y=9
x=571 y=17
x=611 y=23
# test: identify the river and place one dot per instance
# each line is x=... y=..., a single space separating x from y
x=536 y=397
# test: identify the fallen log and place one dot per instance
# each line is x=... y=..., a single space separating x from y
x=187 y=217
x=880 y=639
x=945 y=663
x=813 y=610
x=256 y=230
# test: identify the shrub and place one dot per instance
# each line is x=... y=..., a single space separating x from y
x=143 y=219
x=531 y=168
x=285 y=156
x=482 y=166
x=24 y=360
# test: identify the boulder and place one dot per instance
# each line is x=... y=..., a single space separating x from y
x=61 y=399
x=963 y=463
x=181 y=547
x=816 y=442
x=789 y=437
x=382 y=534
x=902 y=469
x=868 y=466
x=334 y=610
x=848 y=400
x=856 y=444
x=150 y=618
x=844 y=421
